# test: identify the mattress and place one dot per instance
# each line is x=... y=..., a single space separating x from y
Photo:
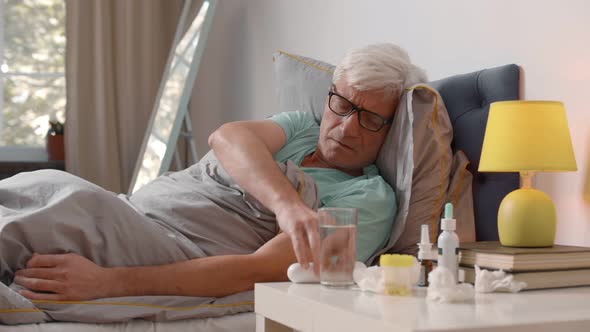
x=239 y=322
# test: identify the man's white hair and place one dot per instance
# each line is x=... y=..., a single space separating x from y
x=383 y=66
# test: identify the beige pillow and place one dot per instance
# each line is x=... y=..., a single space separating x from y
x=460 y=193
x=415 y=160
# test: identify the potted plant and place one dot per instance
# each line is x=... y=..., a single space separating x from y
x=55 y=140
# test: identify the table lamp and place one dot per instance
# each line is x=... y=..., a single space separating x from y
x=526 y=137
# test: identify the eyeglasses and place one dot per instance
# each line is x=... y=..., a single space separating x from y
x=343 y=107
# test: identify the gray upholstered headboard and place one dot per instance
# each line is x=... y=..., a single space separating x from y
x=467 y=98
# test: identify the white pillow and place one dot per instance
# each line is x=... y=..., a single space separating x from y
x=302 y=83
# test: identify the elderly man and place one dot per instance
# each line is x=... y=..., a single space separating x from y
x=338 y=155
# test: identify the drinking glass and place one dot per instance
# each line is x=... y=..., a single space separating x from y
x=337 y=246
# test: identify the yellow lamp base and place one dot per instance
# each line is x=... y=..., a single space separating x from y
x=526 y=218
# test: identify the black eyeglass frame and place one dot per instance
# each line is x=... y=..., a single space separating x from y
x=354 y=108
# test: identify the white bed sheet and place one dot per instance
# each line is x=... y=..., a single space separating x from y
x=239 y=322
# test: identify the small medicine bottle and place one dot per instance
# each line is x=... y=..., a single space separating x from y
x=425 y=256
x=448 y=243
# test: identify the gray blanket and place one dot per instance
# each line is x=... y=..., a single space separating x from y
x=189 y=214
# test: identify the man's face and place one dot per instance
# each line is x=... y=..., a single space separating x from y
x=343 y=142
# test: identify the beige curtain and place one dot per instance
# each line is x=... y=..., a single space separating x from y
x=116 y=53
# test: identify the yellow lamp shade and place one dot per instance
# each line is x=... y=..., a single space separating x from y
x=526 y=136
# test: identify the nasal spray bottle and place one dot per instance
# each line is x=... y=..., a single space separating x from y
x=425 y=255
x=448 y=243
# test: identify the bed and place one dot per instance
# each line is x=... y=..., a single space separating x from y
x=238 y=322
x=467 y=98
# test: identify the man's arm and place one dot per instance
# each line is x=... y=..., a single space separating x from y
x=73 y=278
x=210 y=276
x=245 y=149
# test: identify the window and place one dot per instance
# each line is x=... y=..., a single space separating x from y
x=32 y=81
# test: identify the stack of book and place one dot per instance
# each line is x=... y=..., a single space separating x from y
x=552 y=267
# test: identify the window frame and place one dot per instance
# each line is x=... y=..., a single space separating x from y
x=19 y=152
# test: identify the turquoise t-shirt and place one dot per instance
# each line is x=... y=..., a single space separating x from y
x=369 y=193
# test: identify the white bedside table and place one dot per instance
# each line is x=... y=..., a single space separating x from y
x=287 y=307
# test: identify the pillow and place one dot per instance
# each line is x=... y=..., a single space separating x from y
x=415 y=158
x=460 y=193
x=302 y=83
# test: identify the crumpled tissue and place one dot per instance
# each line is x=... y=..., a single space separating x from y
x=442 y=287
x=490 y=281
x=370 y=279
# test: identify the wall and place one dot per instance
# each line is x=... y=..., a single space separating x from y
x=548 y=39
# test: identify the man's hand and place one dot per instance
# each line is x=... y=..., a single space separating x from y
x=301 y=224
x=68 y=277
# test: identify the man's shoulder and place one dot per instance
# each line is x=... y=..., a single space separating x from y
x=378 y=182
x=373 y=175
x=302 y=118
x=376 y=188
x=371 y=184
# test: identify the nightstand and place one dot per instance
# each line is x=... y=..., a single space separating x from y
x=312 y=307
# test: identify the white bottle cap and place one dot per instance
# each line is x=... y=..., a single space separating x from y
x=425 y=251
x=448 y=224
x=424 y=235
